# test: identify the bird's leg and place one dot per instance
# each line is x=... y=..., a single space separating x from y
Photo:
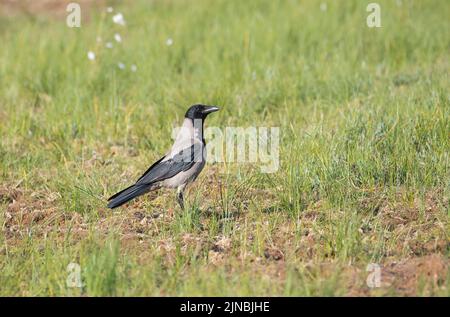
x=180 y=197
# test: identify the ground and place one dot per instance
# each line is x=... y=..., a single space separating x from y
x=364 y=126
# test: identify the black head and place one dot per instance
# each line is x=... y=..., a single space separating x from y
x=199 y=111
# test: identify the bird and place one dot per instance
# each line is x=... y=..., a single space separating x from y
x=180 y=166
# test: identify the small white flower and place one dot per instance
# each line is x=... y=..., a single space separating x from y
x=117 y=37
x=118 y=19
x=91 y=55
x=169 y=41
x=121 y=65
x=109 y=9
x=99 y=39
x=323 y=6
x=109 y=45
x=133 y=68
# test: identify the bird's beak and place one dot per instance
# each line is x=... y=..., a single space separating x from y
x=209 y=109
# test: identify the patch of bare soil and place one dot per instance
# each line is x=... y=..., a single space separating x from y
x=418 y=227
x=412 y=226
x=31 y=214
x=425 y=275
x=408 y=276
x=8 y=195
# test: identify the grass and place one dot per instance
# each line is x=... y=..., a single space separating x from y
x=364 y=149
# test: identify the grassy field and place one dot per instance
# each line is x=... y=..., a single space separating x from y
x=364 y=117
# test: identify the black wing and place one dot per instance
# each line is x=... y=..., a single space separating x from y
x=180 y=162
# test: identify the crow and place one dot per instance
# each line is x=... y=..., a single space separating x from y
x=180 y=166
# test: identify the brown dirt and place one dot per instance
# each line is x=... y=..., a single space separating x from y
x=425 y=265
x=419 y=228
x=32 y=213
x=407 y=276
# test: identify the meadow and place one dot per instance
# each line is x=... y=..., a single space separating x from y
x=364 y=176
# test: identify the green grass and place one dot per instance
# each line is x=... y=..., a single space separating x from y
x=364 y=149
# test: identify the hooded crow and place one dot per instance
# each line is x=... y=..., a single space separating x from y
x=180 y=166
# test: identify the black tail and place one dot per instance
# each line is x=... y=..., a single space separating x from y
x=127 y=194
